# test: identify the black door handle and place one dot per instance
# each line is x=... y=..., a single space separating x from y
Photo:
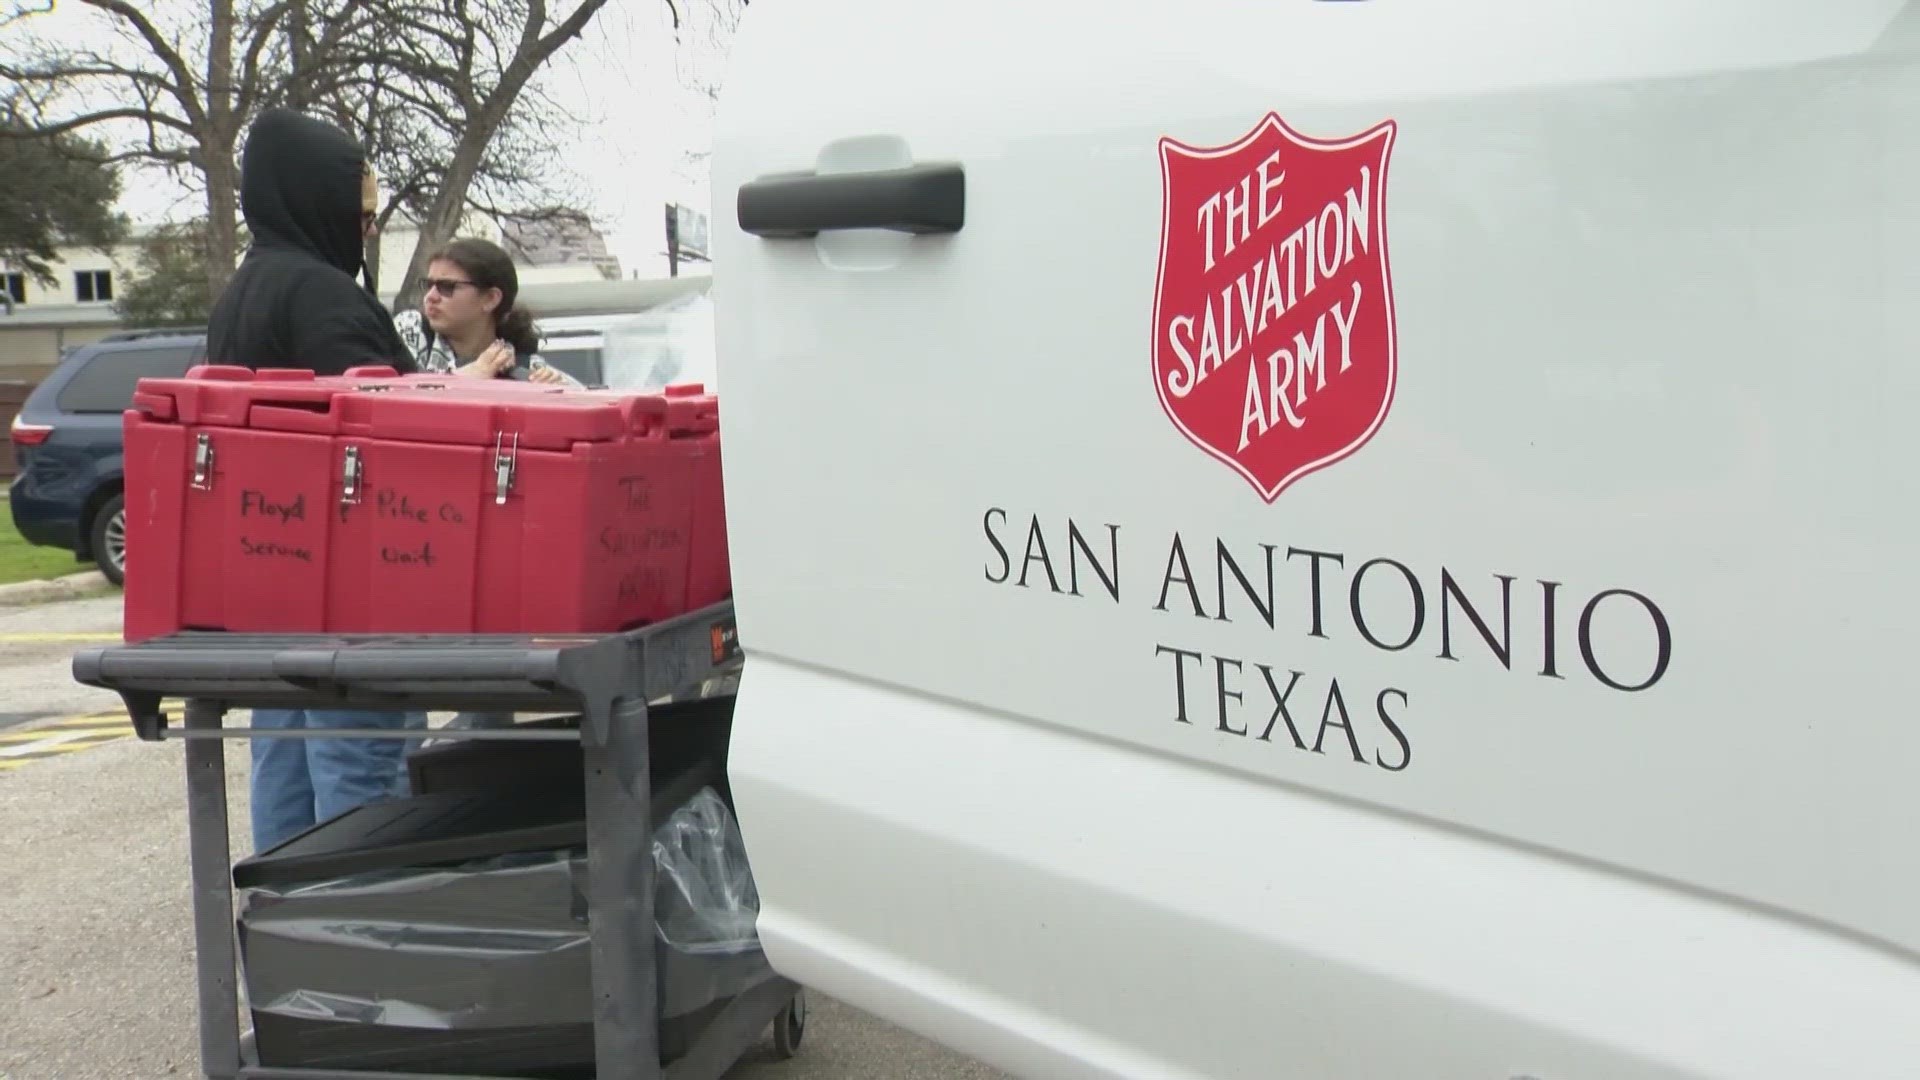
x=918 y=199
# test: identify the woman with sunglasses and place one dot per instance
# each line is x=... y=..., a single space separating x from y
x=467 y=323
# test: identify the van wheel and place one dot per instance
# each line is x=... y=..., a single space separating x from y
x=790 y=1027
x=110 y=539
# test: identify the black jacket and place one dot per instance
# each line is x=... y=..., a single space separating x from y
x=294 y=301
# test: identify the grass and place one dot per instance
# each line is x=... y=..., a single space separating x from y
x=21 y=561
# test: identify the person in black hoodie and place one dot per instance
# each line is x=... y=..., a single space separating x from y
x=294 y=303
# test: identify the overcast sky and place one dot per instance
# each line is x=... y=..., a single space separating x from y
x=624 y=78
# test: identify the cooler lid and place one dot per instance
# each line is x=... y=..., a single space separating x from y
x=211 y=395
x=444 y=409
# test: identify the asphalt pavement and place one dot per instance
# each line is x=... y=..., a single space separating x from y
x=96 y=946
x=36 y=643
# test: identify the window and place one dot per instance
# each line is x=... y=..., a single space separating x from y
x=582 y=364
x=93 y=285
x=105 y=384
x=14 y=285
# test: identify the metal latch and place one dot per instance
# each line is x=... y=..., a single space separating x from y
x=504 y=462
x=203 y=462
x=350 y=478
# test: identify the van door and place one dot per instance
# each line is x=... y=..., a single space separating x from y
x=1369 y=540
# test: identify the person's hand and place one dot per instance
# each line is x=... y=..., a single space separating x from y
x=546 y=374
x=491 y=362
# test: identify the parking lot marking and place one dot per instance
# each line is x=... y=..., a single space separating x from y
x=113 y=718
x=15 y=756
x=50 y=637
x=56 y=740
x=9 y=738
x=64 y=736
x=80 y=722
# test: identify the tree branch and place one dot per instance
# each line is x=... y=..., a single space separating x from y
x=261 y=34
x=182 y=75
x=82 y=66
x=468 y=99
x=153 y=153
x=408 y=96
x=148 y=116
x=570 y=28
x=26 y=9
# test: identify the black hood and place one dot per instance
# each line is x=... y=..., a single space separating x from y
x=300 y=187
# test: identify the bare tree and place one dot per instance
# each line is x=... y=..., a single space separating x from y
x=458 y=68
x=174 y=93
x=442 y=92
x=702 y=39
x=410 y=117
x=170 y=286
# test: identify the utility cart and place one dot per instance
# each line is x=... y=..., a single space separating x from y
x=608 y=680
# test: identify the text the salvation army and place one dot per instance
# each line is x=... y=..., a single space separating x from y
x=1288 y=273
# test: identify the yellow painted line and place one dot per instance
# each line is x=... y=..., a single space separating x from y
x=69 y=738
x=97 y=714
x=50 y=638
x=66 y=735
x=105 y=716
x=9 y=738
x=105 y=721
x=41 y=745
x=13 y=757
x=91 y=731
x=91 y=720
x=41 y=752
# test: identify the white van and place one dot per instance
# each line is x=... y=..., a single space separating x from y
x=1333 y=539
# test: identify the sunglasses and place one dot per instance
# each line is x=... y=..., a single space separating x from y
x=447 y=286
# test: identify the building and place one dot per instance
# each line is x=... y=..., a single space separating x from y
x=542 y=254
x=559 y=249
x=82 y=276
x=402 y=234
x=38 y=319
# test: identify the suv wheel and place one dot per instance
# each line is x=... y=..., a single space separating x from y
x=110 y=539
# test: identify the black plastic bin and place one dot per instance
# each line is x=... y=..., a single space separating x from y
x=448 y=932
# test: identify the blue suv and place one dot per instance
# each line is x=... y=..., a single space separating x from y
x=67 y=440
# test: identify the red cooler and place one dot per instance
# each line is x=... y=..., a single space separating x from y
x=275 y=501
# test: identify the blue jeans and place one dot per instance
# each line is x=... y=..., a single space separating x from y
x=298 y=783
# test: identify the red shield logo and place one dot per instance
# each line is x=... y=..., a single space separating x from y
x=1273 y=335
